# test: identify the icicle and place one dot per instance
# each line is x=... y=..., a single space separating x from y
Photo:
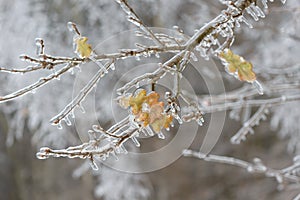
x=201 y=50
x=264 y=2
x=258 y=87
x=243 y=19
x=229 y=32
x=113 y=153
x=149 y=131
x=234 y=114
x=250 y=169
x=67 y=120
x=112 y=66
x=137 y=58
x=263 y=117
x=161 y=135
x=252 y=13
x=72 y=115
x=279 y=178
x=135 y=141
x=172 y=124
x=296 y=159
x=118 y=150
x=283 y=1
x=81 y=108
x=200 y=121
x=103 y=157
x=178 y=119
x=92 y=135
x=223 y=33
x=145 y=54
x=237 y=24
x=59 y=126
x=71 y=71
x=258 y=11
x=123 y=149
x=40 y=46
x=194 y=57
x=251 y=131
x=93 y=165
x=212 y=39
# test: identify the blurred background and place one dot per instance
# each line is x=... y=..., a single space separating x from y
x=24 y=123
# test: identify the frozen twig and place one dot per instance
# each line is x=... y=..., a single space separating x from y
x=284 y=177
x=39 y=83
x=135 y=19
x=297 y=197
x=140 y=52
x=81 y=95
x=247 y=96
x=247 y=126
x=101 y=144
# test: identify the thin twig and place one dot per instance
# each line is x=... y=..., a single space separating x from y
x=257 y=167
x=81 y=95
x=39 y=83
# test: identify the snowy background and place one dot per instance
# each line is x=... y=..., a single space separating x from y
x=24 y=123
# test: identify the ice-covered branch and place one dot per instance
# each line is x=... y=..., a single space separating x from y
x=206 y=39
x=135 y=19
x=284 y=177
x=101 y=144
x=126 y=53
x=248 y=125
x=247 y=96
x=297 y=197
x=38 y=84
x=77 y=101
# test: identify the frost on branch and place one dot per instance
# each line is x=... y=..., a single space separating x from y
x=286 y=177
x=249 y=124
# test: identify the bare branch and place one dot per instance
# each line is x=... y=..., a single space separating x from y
x=81 y=95
x=247 y=126
x=283 y=177
x=36 y=85
x=135 y=19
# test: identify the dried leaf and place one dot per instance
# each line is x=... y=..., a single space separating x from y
x=154 y=115
x=237 y=64
x=136 y=102
x=156 y=112
x=163 y=122
x=124 y=101
x=83 y=49
x=153 y=98
x=143 y=117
